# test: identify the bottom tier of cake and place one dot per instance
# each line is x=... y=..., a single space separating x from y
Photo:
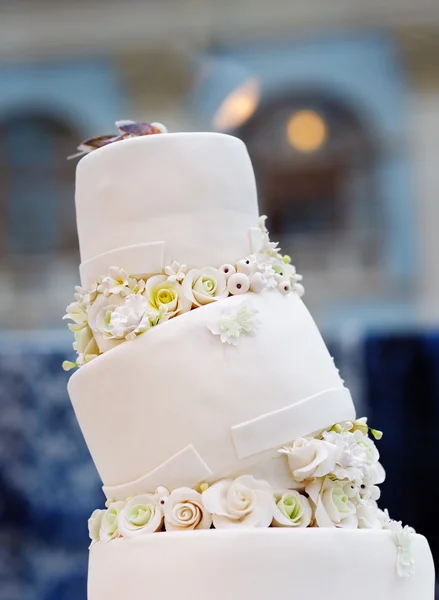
x=259 y=564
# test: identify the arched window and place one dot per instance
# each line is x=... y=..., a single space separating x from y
x=315 y=161
x=38 y=238
x=36 y=186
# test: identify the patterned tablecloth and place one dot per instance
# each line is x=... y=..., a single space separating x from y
x=49 y=486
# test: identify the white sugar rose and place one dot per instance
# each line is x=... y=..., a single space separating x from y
x=292 y=510
x=243 y=502
x=334 y=505
x=94 y=525
x=203 y=286
x=109 y=524
x=308 y=458
x=184 y=510
x=99 y=314
x=141 y=515
x=166 y=297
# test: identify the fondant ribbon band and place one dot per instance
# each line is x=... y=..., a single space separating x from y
x=287 y=424
x=184 y=469
x=138 y=261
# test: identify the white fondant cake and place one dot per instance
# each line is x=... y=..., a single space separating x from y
x=208 y=399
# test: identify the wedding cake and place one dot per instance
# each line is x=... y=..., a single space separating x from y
x=231 y=457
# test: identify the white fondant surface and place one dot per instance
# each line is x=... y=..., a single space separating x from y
x=258 y=564
x=194 y=191
x=178 y=385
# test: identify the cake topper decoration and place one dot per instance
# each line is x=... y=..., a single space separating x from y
x=127 y=129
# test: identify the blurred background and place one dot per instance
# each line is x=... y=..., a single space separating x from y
x=338 y=103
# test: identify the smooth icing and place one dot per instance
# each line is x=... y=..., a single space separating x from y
x=183 y=406
x=194 y=191
x=260 y=564
x=146 y=400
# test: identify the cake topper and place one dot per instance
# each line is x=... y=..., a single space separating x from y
x=127 y=129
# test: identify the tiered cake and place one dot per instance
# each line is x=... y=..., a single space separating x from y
x=225 y=439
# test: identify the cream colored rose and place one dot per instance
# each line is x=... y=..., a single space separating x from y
x=184 y=510
x=243 y=502
x=109 y=524
x=94 y=525
x=308 y=458
x=166 y=297
x=292 y=510
x=85 y=345
x=203 y=286
x=141 y=515
x=334 y=505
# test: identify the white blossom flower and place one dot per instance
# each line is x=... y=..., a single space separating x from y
x=308 y=457
x=141 y=515
x=114 y=283
x=292 y=509
x=243 y=502
x=184 y=510
x=84 y=296
x=166 y=297
x=94 y=525
x=109 y=525
x=203 y=286
x=175 y=271
x=132 y=318
x=134 y=286
x=230 y=325
x=404 y=537
x=332 y=505
x=368 y=515
x=352 y=455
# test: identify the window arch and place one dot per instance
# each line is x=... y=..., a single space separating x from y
x=315 y=159
x=37 y=214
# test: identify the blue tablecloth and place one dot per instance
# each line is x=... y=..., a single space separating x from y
x=49 y=486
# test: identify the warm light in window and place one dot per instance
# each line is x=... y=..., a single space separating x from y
x=238 y=106
x=306 y=131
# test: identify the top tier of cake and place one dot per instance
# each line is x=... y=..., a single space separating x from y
x=194 y=191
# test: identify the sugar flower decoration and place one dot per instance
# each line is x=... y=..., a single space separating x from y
x=292 y=510
x=236 y=322
x=166 y=296
x=94 y=525
x=141 y=515
x=184 y=511
x=243 y=502
x=175 y=271
x=109 y=524
x=203 y=286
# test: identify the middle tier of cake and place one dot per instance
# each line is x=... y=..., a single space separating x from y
x=176 y=406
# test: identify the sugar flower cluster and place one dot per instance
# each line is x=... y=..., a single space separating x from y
x=120 y=307
x=334 y=483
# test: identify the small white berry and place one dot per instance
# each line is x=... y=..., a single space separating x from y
x=238 y=283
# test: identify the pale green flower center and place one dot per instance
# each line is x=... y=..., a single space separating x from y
x=140 y=515
x=206 y=285
x=111 y=518
x=290 y=507
x=340 y=500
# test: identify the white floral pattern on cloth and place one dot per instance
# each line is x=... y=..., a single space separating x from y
x=334 y=478
x=120 y=307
